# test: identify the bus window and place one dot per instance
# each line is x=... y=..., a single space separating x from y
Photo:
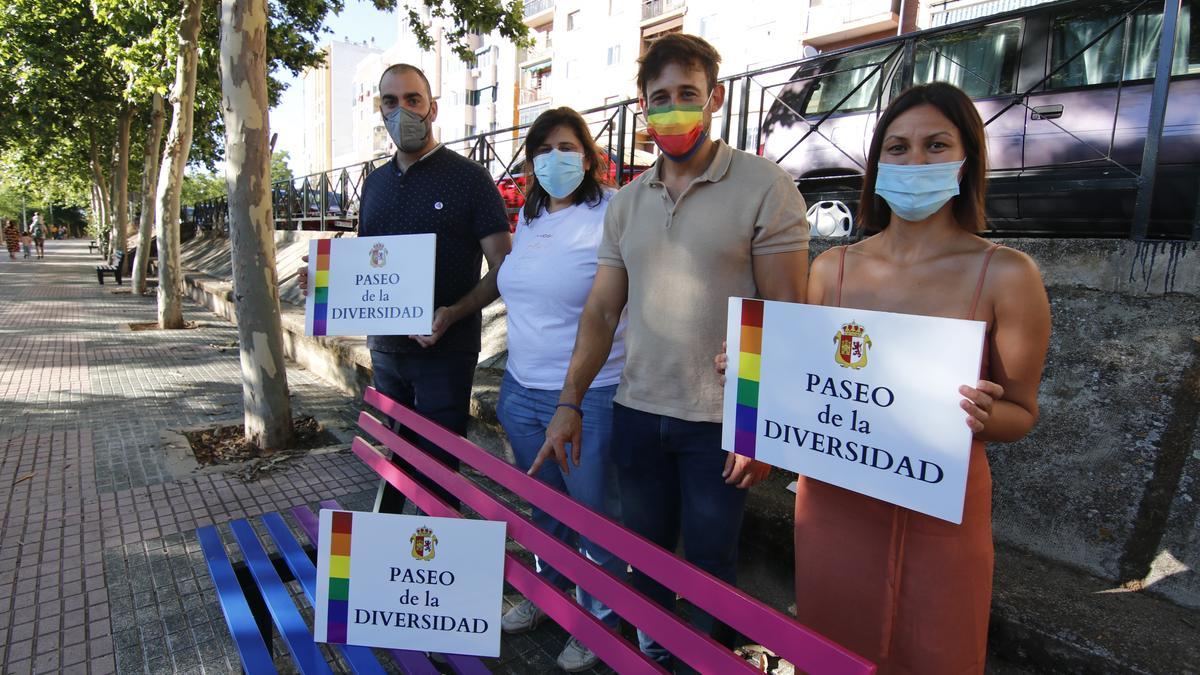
x=1101 y=63
x=981 y=62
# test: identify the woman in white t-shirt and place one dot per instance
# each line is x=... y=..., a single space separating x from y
x=544 y=282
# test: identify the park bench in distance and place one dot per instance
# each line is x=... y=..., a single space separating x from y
x=117 y=269
x=122 y=265
x=242 y=601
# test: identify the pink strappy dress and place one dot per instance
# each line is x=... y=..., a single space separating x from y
x=908 y=591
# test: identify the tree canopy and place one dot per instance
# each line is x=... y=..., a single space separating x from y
x=68 y=68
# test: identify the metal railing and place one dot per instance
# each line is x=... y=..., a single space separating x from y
x=330 y=200
x=532 y=7
x=534 y=95
x=655 y=8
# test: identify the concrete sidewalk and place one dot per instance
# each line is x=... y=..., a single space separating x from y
x=100 y=571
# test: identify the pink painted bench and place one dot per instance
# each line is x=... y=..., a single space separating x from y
x=778 y=632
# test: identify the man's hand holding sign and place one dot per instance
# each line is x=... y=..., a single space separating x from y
x=370 y=286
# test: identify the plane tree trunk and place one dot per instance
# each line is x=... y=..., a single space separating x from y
x=251 y=225
x=170 y=179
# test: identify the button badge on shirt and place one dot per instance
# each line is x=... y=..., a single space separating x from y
x=437 y=205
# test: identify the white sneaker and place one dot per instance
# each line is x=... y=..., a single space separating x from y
x=576 y=657
x=525 y=616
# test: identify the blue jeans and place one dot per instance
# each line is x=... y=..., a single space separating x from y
x=438 y=387
x=525 y=414
x=669 y=472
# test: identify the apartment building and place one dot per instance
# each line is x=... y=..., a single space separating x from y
x=584 y=55
x=472 y=97
x=328 y=90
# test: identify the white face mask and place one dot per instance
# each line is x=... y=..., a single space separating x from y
x=917 y=191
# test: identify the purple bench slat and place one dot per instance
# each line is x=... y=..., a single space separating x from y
x=559 y=606
x=308 y=522
x=702 y=651
x=800 y=645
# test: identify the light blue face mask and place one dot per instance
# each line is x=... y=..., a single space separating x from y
x=558 y=172
x=917 y=191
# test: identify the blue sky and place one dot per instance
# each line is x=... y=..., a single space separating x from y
x=359 y=21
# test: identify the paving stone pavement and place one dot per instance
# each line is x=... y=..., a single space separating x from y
x=100 y=569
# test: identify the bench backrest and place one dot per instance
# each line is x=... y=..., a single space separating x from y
x=782 y=634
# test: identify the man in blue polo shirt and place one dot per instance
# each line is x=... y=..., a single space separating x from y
x=425 y=188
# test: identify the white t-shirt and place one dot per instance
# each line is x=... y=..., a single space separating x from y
x=545 y=281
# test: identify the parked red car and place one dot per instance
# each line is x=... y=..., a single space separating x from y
x=512 y=186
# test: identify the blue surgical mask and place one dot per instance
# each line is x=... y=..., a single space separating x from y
x=558 y=172
x=917 y=191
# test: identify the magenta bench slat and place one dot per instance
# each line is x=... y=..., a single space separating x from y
x=798 y=644
x=621 y=655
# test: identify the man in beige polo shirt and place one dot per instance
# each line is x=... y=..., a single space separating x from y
x=706 y=222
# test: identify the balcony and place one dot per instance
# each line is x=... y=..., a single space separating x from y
x=537 y=12
x=653 y=9
x=542 y=49
x=831 y=21
x=534 y=95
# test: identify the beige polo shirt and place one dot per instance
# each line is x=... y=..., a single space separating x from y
x=684 y=260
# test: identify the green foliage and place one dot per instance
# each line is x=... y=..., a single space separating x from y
x=201 y=186
x=14 y=197
x=43 y=179
x=67 y=67
x=279 y=166
x=467 y=16
x=10 y=203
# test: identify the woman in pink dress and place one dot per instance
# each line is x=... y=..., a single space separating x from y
x=906 y=590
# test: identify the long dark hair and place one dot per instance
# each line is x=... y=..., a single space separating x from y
x=874 y=214
x=591 y=190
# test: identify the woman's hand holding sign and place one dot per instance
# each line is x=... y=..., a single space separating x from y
x=979 y=402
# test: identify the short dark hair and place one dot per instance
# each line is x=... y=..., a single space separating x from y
x=689 y=51
x=406 y=68
x=591 y=190
x=874 y=214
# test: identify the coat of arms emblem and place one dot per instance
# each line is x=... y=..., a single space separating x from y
x=423 y=544
x=852 y=344
x=378 y=255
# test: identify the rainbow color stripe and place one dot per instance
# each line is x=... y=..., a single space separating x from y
x=675 y=120
x=321 y=288
x=749 y=367
x=338 y=610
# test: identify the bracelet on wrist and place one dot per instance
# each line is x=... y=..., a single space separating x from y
x=572 y=406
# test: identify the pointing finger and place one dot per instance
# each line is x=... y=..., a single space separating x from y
x=537 y=461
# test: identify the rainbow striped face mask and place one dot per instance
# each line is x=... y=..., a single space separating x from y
x=678 y=129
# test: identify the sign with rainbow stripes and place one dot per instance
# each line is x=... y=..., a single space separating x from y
x=410 y=582
x=864 y=400
x=371 y=285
